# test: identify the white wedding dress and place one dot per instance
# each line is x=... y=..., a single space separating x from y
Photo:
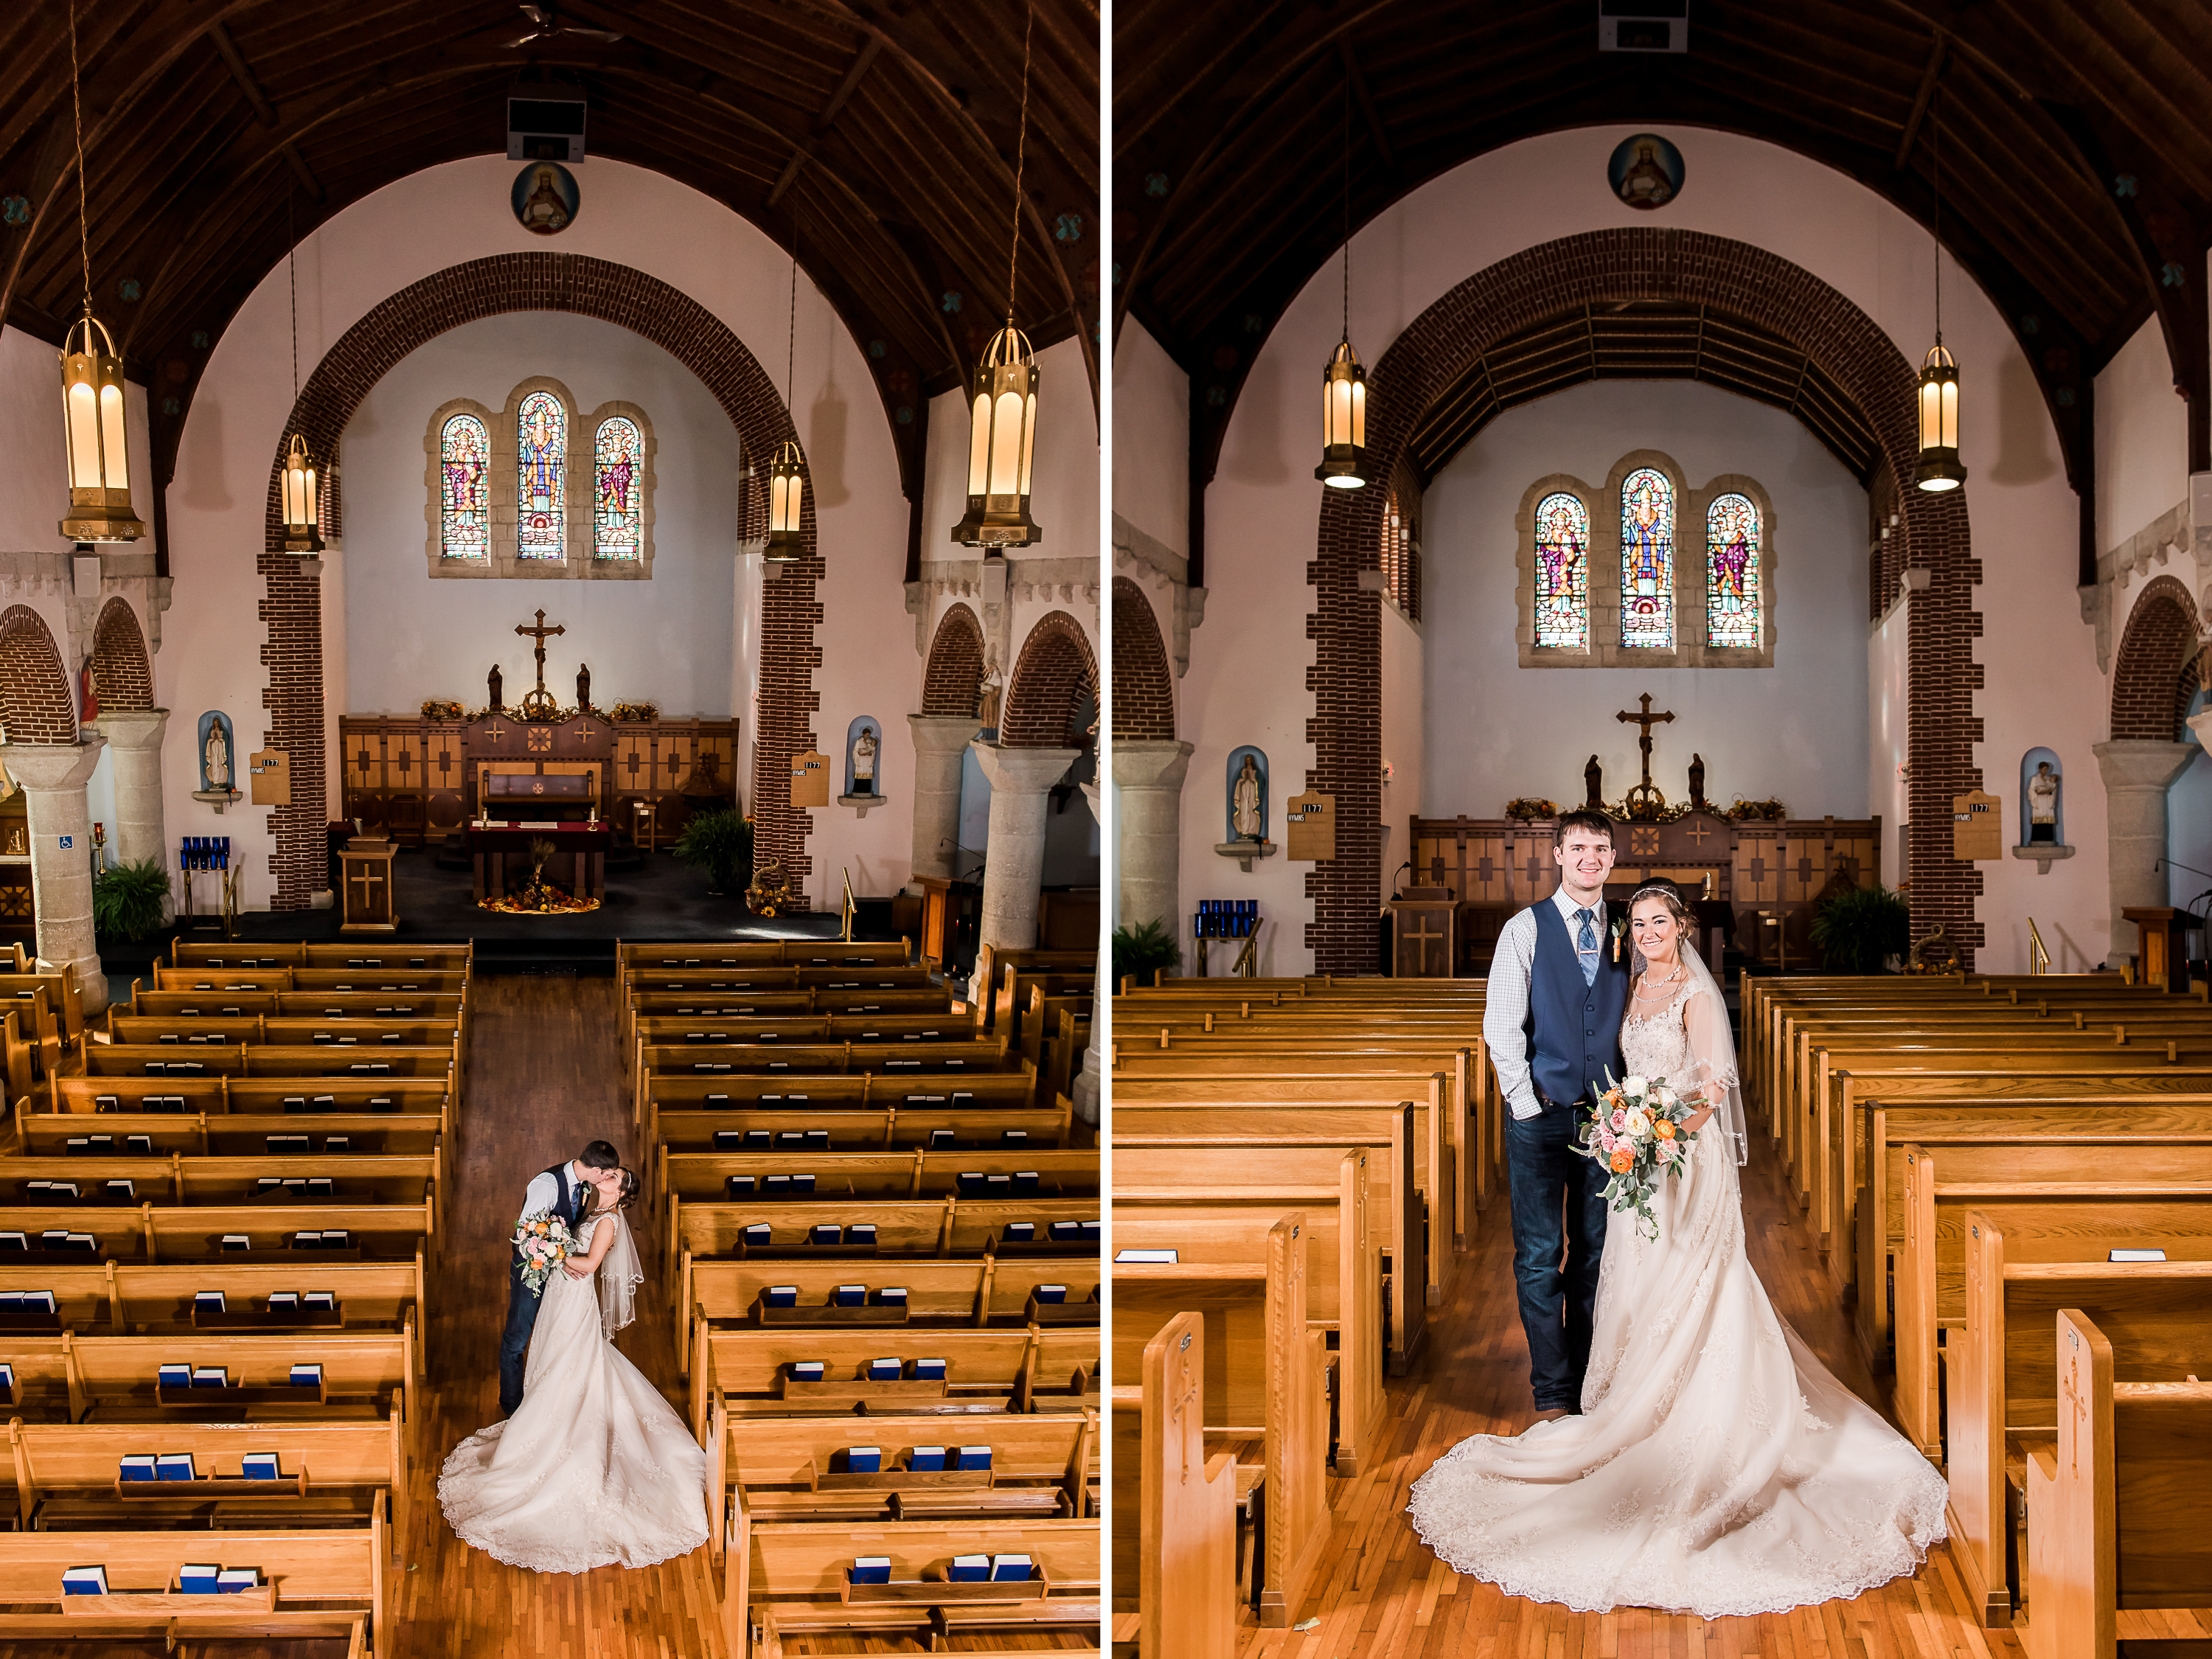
x=1717 y=1468
x=595 y=1467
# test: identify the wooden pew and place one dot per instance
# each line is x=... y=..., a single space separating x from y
x=235 y=1134
x=854 y=1128
x=798 y=953
x=2120 y=1507
x=1175 y=1508
x=114 y=1298
x=944 y=1227
x=895 y=1063
x=1999 y=1372
x=1264 y=1379
x=37 y=999
x=64 y=996
x=301 y=1005
x=916 y=1173
x=286 y=1031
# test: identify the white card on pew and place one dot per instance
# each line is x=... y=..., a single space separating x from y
x=84 y=1581
x=1171 y=1257
x=2135 y=1255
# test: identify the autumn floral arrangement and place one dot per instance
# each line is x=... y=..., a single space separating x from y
x=635 y=713
x=1636 y=1131
x=1523 y=808
x=1748 y=811
x=441 y=708
x=545 y=1243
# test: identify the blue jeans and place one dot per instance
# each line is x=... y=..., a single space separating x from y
x=1558 y=1240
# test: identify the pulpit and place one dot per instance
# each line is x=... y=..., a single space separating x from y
x=365 y=869
x=2164 y=956
x=1422 y=922
x=950 y=912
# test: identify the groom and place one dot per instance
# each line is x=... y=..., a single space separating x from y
x=559 y=1190
x=1559 y=985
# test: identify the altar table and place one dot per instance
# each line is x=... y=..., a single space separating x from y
x=580 y=864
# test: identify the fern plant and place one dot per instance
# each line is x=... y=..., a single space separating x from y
x=1143 y=949
x=127 y=899
x=720 y=842
x=1857 y=931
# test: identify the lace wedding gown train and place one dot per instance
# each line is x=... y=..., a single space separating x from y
x=1718 y=1467
x=595 y=1468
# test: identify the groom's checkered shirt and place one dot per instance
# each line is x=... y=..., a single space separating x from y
x=1506 y=1003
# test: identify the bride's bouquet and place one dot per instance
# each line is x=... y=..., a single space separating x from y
x=545 y=1243
x=1636 y=1131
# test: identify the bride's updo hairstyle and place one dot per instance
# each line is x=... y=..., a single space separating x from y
x=1667 y=892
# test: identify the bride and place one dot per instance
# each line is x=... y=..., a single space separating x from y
x=1716 y=1467
x=595 y=1467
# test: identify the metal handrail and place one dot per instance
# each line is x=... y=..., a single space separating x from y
x=2038 y=959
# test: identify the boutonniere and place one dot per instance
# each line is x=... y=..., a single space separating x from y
x=1620 y=932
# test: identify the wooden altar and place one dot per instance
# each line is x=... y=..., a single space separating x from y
x=500 y=849
x=1757 y=879
x=417 y=780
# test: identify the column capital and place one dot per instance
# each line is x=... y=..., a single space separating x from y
x=942 y=733
x=2141 y=764
x=1154 y=763
x=132 y=728
x=53 y=766
x=1027 y=771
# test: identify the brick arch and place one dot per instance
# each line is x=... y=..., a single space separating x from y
x=2156 y=671
x=120 y=672
x=1055 y=660
x=35 y=699
x=1596 y=268
x=1143 y=691
x=687 y=330
x=949 y=683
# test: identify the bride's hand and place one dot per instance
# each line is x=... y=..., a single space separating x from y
x=1699 y=1119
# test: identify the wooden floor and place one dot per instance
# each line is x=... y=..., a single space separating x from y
x=1388 y=1598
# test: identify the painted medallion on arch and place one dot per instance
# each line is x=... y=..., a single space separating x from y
x=1647 y=560
x=465 y=496
x=1563 y=573
x=1732 y=549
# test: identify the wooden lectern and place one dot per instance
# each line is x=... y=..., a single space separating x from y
x=2164 y=951
x=1424 y=933
x=365 y=878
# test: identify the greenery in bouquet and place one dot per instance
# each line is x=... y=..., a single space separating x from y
x=1636 y=1131
x=545 y=1243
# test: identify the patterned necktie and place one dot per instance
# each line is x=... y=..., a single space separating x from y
x=1586 y=946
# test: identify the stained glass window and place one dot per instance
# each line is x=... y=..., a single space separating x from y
x=617 y=496
x=1732 y=549
x=1647 y=559
x=1563 y=571
x=464 y=497
x=542 y=431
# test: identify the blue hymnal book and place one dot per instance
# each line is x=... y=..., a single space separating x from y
x=326 y=1300
x=729 y=1140
x=927 y=1459
x=864 y=1460
x=233 y=1580
x=7 y=1379
x=283 y=1301
x=969 y=1570
x=884 y=1370
x=210 y=1376
x=1014 y=1136
x=1010 y=1569
x=825 y=1232
x=1021 y=1233
x=122 y=1188
x=175 y=1466
x=971 y=1183
x=864 y=1234
x=236 y=1242
x=776 y=1186
x=198 y=1578
x=852 y=1296
x=738 y=1186
x=1167 y=1257
x=975 y=1457
x=802 y=1186
x=781 y=1296
x=890 y=1296
x=1092 y=1231
x=261 y=1465
x=1050 y=1292
x=941 y=1138
x=807 y=1370
x=1065 y=1232
x=1025 y=1183
x=757 y=1238
x=208 y=1302
x=304 y=1375
x=2134 y=1256
x=175 y=1376
x=139 y=1466
x=871 y=1570
x=84 y=1581
x=29 y=1302
x=135 y=1144
x=929 y=1370
x=817 y=1140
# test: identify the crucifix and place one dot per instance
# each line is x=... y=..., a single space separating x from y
x=1645 y=721
x=540 y=701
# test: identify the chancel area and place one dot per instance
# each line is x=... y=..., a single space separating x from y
x=1784 y=434
x=549 y=593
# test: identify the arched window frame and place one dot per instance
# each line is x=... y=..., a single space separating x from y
x=578 y=558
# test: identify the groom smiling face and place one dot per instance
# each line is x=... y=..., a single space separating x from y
x=1585 y=859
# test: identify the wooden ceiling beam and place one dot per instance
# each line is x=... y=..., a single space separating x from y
x=227 y=49
x=1921 y=99
x=1366 y=98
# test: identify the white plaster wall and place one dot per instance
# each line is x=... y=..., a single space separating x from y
x=1405 y=730
x=444 y=215
x=1888 y=701
x=1497 y=730
x=1152 y=438
x=2142 y=439
x=1251 y=659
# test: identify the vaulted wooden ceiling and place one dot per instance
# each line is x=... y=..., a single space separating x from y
x=2076 y=155
x=881 y=134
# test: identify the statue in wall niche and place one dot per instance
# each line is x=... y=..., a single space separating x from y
x=1697 y=783
x=492 y=683
x=1594 y=784
x=1244 y=803
x=215 y=752
x=863 y=762
x=584 y=689
x=2042 y=804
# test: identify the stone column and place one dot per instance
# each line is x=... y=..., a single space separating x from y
x=134 y=739
x=2137 y=775
x=940 y=741
x=1148 y=832
x=1013 y=866
x=53 y=777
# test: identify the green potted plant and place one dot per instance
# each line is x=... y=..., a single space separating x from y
x=720 y=842
x=1143 y=949
x=127 y=899
x=1857 y=930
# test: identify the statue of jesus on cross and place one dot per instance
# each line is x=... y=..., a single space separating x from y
x=539 y=705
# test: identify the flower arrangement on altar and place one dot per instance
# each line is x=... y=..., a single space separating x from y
x=1523 y=808
x=1744 y=810
x=635 y=713
x=441 y=708
x=540 y=897
x=1636 y=1131
x=545 y=1243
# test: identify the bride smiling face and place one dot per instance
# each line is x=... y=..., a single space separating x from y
x=1656 y=922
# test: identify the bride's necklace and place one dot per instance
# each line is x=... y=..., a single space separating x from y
x=1642 y=993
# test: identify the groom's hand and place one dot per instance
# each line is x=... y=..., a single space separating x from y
x=574 y=1271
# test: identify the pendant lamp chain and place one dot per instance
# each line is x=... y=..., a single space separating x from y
x=292 y=269
x=77 y=110
x=791 y=333
x=787 y=472
x=1938 y=468
x=303 y=478
x=1021 y=154
x=1936 y=170
x=1347 y=207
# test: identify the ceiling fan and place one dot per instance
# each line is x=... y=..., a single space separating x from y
x=548 y=26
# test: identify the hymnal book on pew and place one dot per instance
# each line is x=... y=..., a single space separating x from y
x=927 y=1459
x=198 y=1578
x=758 y=1138
x=1025 y=1183
x=891 y=1296
x=802 y=1186
x=884 y=1370
x=236 y=1242
x=285 y=1145
x=139 y=1466
x=321 y=1187
x=974 y=1457
x=871 y=1570
x=1169 y=1257
x=210 y=1376
x=807 y=1370
x=122 y=1188
x=738 y=1186
x=1010 y=1569
x=208 y=1302
x=1066 y=1232
x=816 y=1139
x=1050 y=1292
x=781 y=1296
x=84 y=1241
x=174 y=1376
x=1020 y=1232
x=232 y=1581
x=729 y=1140
x=851 y=1295
x=340 y=1143
x=2135 y=1255
x=825 y=1232
x=175 y=1466
x=84 y=1581
x=325 y=1300
x=260 y=1466
x=862 y=1232
x=712 y=1098
x=27 y=1302
x=969 y=1570
x=971 y=1183
x=929 y=1370
x=304 y=1375
x=1013 y=1138
x=775 y=1186
x=106 y=1103
x=283 y=1301
x=864 y=1460
x=7 y=1379
x=941 y=1139
x=133 y=1143
x=757 y=1238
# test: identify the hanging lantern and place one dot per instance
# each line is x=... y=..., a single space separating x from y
x=99 y=457
x=1002 y=441
x=786 y=499
x=1343 y=421
x=1938 y=468
x=303 y=499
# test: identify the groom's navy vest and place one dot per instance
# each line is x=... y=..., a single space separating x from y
x=1574 y=1030
x=565 y=1185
